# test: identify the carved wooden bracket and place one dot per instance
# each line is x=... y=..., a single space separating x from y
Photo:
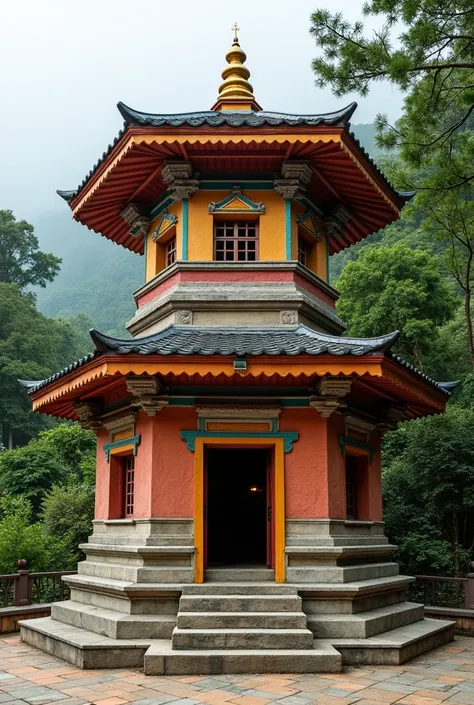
x=329 y=391
x=148 y=393
x=177 y=176
x=88 y=413
x=295 y=176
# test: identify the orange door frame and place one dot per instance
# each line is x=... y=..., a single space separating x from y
x=278 y=453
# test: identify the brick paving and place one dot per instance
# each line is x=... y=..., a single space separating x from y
x=30 y=677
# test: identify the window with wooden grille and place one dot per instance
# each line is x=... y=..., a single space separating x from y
x=303 y=251
x=128 y=484
x=351 y=487
x=170 y=252
x=235 y=241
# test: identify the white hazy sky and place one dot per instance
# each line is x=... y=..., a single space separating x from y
x=64 y=65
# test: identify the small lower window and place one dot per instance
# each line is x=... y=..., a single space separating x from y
x=128 y=484
x=351 y=487
x=170 y=252
x=303 y=251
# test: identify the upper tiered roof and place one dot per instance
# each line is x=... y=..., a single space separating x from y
x=236 y=137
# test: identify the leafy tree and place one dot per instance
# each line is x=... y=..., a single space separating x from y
x=450 y=218
x=428 y=485
x=31 y=347
x=19 y=538
x=21 y=260
x=67 y=514
x=431 y=60
x=54 y=458
x=392 y=288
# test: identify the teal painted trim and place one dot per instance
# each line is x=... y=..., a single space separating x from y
x=327 y=258
x=289 y=437
x=236 y=192
x=294 y=403
x=228 y=185
x=288 y=228
x=344 y=441
x=202 y=425
x=184 y=401
x=135 y=440
x=184 y=248
x=161 y=205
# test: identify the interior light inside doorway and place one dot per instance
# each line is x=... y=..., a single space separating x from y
x=254 y=488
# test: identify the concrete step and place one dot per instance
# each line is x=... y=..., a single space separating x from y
x=364 y=624
x=136 y=573
x=160 y=659
x=341 y=574
x=82 y=648
x=238 y=575
x=241 y=620
x=237 y=603
x=203 y=639
x=128 y=550
x=397 y=646
x=241 y=588
x=110 y=623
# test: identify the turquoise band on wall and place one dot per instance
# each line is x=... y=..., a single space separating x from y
x=184 y=249
x=289 y=437
x=288 y=227
x=133 y=440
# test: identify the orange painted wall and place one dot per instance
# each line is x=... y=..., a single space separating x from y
x=108 y=492
x=155 y=251
x=317 y=262
x=200 y=229
x=172 y=467
x=164 y=469
x=337 y=468
x=306 y=467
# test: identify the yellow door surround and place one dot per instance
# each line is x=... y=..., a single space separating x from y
x=278 y=453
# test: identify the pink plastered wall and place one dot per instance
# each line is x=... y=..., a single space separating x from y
x=306 y=467
x=164 y=469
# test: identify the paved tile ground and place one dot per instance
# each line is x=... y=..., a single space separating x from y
x=30 y=677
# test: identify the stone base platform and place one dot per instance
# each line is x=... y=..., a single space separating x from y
x=134 y=603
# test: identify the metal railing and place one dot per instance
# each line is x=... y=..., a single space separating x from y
x=436 y=591
x=25 y=588
x=439 y=591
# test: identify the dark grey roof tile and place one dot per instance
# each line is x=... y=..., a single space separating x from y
x=234 y=118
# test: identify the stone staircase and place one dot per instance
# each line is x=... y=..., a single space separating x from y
x=234 y=627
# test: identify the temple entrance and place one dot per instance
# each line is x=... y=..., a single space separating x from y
x=238 y=508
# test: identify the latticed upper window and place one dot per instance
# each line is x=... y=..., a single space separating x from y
x=236 y=241
x=303 y=251
x=129 y=484
x=170 y=252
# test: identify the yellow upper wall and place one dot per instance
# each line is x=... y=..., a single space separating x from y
x=272 y=232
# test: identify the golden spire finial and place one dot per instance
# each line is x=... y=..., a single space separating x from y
x=235 y=92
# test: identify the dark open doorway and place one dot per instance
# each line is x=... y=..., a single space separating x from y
x=238 y=508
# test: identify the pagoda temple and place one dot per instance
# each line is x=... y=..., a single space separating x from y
x=238 y=517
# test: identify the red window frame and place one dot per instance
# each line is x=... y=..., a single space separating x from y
x=303 y=251
x=236 y=241
x=170 y=252
x=128 y=466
